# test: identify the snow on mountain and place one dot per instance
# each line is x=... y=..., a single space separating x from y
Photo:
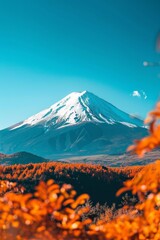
x=79 y=107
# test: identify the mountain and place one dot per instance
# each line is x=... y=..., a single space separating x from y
x=79 y=124
x=21 y=157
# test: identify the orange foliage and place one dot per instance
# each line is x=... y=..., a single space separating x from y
x=35 y=171
x=49 y=212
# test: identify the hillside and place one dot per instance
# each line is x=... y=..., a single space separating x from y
x=20 y=158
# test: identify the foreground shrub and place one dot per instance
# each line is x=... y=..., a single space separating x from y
x=48 y=213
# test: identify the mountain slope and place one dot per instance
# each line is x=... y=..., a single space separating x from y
x=81 y=123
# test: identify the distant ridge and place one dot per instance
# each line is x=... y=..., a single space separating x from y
x=20 y=158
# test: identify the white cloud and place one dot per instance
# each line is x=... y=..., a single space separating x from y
x=136 y=94
x=145 y=64
x=139 y=94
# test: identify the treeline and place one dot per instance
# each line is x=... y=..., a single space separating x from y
x=100 y=182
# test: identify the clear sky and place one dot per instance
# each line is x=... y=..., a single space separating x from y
x=50 y=48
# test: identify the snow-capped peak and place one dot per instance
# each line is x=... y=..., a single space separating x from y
x=78 y=107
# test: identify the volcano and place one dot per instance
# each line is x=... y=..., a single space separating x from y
x=79 y=124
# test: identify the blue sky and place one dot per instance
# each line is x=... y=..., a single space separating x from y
x=53 y=47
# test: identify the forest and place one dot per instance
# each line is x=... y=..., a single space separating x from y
x=99 y=182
